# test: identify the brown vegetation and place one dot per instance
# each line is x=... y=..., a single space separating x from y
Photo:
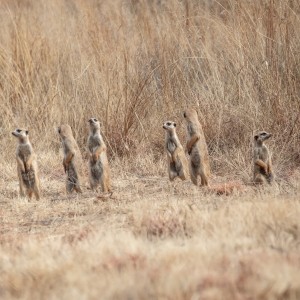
x=134 y=64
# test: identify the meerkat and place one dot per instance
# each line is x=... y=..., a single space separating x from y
x=178 y=165
x=262 y=159
x=27 y=165
x=196 y=147
x=99 y=170
x=72 y=160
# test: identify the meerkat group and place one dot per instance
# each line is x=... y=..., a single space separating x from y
x=197 y=150
x=99 y=170
x=197 y=163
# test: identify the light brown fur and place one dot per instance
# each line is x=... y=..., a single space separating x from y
x=72 y=160
x=227 y=188
x=178 y=165
x=197 y=148
x=262 y=159
x=99 y=170
x=27 y=166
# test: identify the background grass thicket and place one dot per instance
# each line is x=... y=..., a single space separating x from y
x=134 y=64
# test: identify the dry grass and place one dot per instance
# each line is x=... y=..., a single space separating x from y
x=150 y=240
x=134 y=64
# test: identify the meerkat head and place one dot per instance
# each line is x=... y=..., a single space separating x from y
x=169 y=125
x=64 y=130
x=190 y=113
x=94 y=123
x=262 y=136
x=21 y=134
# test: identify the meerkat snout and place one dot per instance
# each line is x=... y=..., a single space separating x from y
x=262 y=136
x=93 y=120
x=169 y=125
x=20 y=132
x=94 y=123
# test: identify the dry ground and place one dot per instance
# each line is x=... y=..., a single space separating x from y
x=151 y=240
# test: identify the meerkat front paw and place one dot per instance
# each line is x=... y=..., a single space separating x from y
x=26 y=167
x=66 y=167
x=95 y=157
x=264 y=172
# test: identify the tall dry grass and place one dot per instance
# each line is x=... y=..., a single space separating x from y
x=134 y=64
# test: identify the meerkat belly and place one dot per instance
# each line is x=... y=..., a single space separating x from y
x=96 y=169
x=263 y=158
x=72 y=174
x=24 y=153
x=94 y=142
x=171 y=146
x=28 y=178
x=178 y=166
x=191 y=130
x=195 y=156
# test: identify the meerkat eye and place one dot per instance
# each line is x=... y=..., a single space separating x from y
x=168 y=124
x=95 y=120
x=58 y=130
x=184 y=115
x=18 y=130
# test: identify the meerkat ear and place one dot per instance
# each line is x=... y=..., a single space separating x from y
x=184 y=115
x=256 y=137
x=26 y=131
x=174 y=124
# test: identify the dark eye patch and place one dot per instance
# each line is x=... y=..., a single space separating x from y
x=18 y=130
x=95 y=120
x=169 y=124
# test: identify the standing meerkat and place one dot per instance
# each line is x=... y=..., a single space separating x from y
x=72 y=160
x=197 y=148
x=178 y=165
x=99 y=170
x=262 y=159
x=27 y=165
